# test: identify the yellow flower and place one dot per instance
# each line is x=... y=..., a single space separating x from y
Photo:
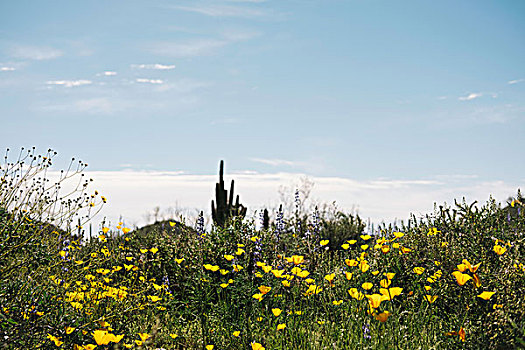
x=105 y=230
x=153 y=250
x=143 y=251
x=398 y=234
x=264 y=289
x=385 y=249
x=173 y=335
x=154 y=298
x=209 y=347
x=257 y=346
x=143 y=336
x=500 y=250
x=54 y=339
x=281 y=326
x=385 y=283
x=486 y=295
x=258 y=296
x=364 y=247
x=375 y=273
x=348 y=275
x=431 y=298
x=382 y=317
x=351 y=263
x=237 y=268
x=297 y=259
x=461 y=278
x=276 y=273
x=352 y=241
x=330 y=277
x=276 y=312
x=363 y=265
x=285 y=283
x=240 y=251
x=389 y=275
x=126 y=230
x=419 y=270
x=172 y=223
x=367 y=285
x=69 y=330
x=337 y=302
x=179 y=261
x=324 y=242
x=101 y=337
x=395 y=245
x=405 y=250
x=365 y=237
x=354 y=293
x=211 y=267
x=228 y=257
x=375 y=300
x=345 y=246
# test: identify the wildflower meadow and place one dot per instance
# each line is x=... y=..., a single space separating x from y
x=454 y=279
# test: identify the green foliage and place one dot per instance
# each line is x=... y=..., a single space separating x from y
x=305 y=282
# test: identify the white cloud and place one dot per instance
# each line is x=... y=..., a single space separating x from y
x=35 y=52
x=154 y=66
x=511 y=82
x=222 y=10
x=276 y=162
x=7 y=69
x=470 y=97
x=69 y=83
x=108 y=73
x=150 y=81
x=200 y=47
x=133 y=193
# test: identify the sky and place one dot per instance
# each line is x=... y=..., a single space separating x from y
x=386 y=106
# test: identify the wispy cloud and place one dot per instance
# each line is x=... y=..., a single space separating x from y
x=223 y=10
x=107 y=74
x=511 y=82
x=200 y=47
x=94 y=106
x=38 y=53
x=150 y=81
x=276 y=162
x=470 y=96
x=154 y=66
x=69 y=83
x=7 y=69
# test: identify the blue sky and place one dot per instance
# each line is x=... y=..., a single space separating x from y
x=360 y=90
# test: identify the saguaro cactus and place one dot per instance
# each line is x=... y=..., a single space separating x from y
x=225 y=208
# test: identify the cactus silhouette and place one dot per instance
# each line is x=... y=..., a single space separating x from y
x=223 y=209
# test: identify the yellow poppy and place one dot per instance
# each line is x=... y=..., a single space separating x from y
x=382 y=317
x=276 y=312
x=419 y=270
x=375 y=300
x=348 y=275
x=486 y=295
x=351 y=262
x=228 y=257
x=257 y=346
x=499 y=249
x=398 y=234
x=367 y=285
x=431 y=298
x=324 y=242
x=264 y=289
x=365 y=237
x=297 y=259
x=281 y=326
x=461 y=278
x=337 y=302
